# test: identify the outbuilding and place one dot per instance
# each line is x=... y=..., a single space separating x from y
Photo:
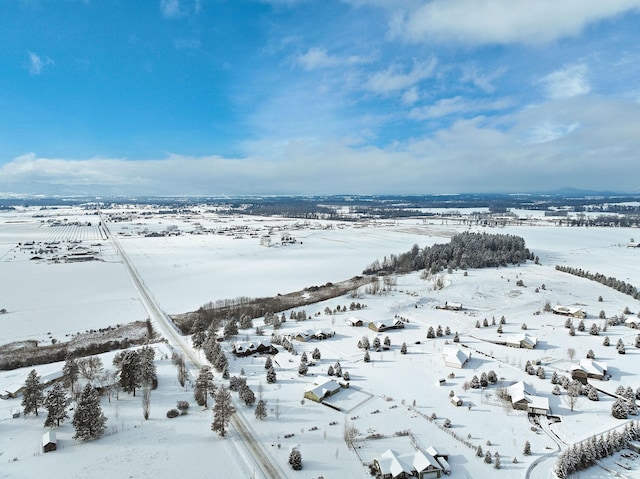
x=49 y=442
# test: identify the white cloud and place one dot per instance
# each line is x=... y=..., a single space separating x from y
x=36 y=64
x=459 y=106
x=483 y=81
x=394 y=78
x=187 y=44
x=173 y=9
x=503 y=22
x=317 y=57
x=570 y=80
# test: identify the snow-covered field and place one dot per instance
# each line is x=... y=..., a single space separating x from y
x=391 y=394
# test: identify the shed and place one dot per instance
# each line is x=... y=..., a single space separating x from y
x=49 y=442
x=456 y=401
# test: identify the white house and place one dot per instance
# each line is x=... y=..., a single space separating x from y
x=455 y=357
x=522 y=399
x=321 y=388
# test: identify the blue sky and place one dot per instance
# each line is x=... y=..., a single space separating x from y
x=223 y=97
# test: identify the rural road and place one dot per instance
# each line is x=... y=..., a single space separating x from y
x=178 y=343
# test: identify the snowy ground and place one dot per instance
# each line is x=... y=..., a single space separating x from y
x=391 y=394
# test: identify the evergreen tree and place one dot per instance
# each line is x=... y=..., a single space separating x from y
x=221 y=363
x=479 y=452
x=70 y=373
x=247 y=395
x=268 y=364
x=367 y=358
x=456 y=338
x=203 y=386
x=431 y=333
x=295 y=459
x=606 y=341
x=56 y=404
x=88 y=419
x=271 y=376
x=147 y=371
x=487 y=457
x=337 y=369
x=527 y=449
x=303 y=368
x=619 y=409
x=316 y=354
x=32 y=397
x=376 y=343
x=222 y=411
x=198 y=339
x=129 y=372
x=230 y=329
x=593 y=330
x=261 y=410
x=403 y=349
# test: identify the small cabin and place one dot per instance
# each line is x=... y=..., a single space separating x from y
x=456 y=401
x=49 y=442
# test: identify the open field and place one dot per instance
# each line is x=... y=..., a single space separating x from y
x=391 y=394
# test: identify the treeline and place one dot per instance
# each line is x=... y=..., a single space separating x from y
x=609 y=281
x=139 y=332
x=465 y=250
x=585 y=454
x=244 y=307
x=627 y=221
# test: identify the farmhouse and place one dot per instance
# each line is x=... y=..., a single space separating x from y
x=391 y=465
x=247 y=348
x=569 y=311
x=380 y=326
x=321 y=388
x=589 y=369
x=353 y=321
x=632 y=323
x=286 y=238
x=455 y=357
x=522 y=341
x=450 y=306
x=49 y=442
x=523 y=400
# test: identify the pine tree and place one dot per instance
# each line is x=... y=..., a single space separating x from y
x=261 y=410
x=456 y=338
x=271 y=376
x=316 y=354
x=268 y=364
x=367 y=358
x=619 y=409
x=527 y=449
x=337 y=369
x=479 y=452
x=222 y=411
x=295 y=459
x=70 y=373
x=487 y=457
x=129 y=372
x=32 y=397
x=55 y=402
x=247 y=395
x=303 y=368
x=88 y=420
x=146 y=368
x=203 y=386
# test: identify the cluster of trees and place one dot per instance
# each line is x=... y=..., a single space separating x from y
x=438 y=332
x=609 y=281
x=585 y=454
x=214 y=313
x=574 y=390
x=465 y=250
x=88 y=419
x=625 y=404
x=137 y=369
x=207 y=341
